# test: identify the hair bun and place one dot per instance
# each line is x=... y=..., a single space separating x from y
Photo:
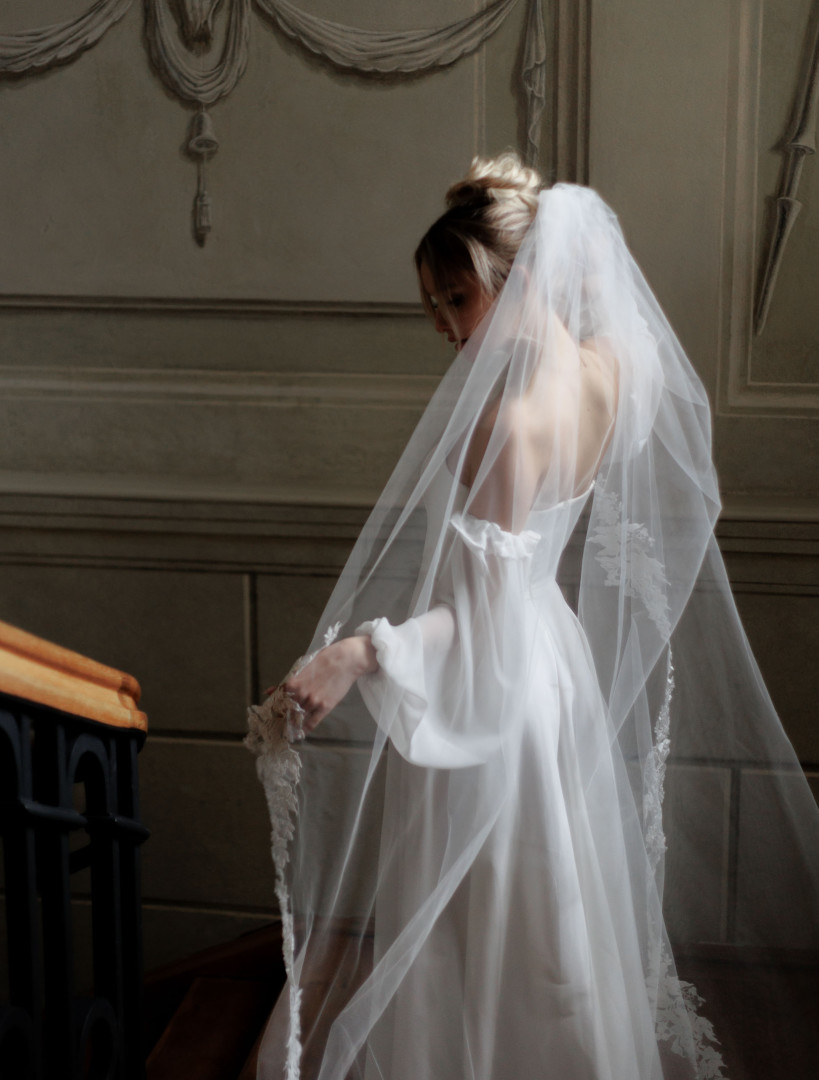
x=496 y=180
x=489 y=213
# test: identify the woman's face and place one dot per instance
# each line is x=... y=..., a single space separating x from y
x=457 y=307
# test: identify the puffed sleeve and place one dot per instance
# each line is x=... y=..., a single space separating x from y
x=444 y=677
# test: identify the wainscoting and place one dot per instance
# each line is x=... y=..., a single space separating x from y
x=207 y=603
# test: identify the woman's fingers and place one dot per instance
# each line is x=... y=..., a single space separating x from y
x=312 y=721
x=322 y=683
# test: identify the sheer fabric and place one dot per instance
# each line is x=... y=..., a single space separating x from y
x=509 y=835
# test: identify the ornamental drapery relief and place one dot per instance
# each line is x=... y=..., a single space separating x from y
x=798 y=143
x=180 y=36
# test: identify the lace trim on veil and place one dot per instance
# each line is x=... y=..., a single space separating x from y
x=628 y=549
x=678 y=1022
x=677 y=1018
x=274 y=726
x=654 y=783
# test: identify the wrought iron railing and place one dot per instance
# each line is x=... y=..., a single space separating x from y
x=70 y=733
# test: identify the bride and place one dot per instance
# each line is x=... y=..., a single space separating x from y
x=476 y=885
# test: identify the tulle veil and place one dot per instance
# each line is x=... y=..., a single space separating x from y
x=695 y=835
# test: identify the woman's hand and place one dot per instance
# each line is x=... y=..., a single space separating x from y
x=321 y=685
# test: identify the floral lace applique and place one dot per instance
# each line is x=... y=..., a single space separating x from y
x=678 y=1022
x=627 y=550
x=677 y=1019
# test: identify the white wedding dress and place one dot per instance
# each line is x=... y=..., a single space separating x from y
x=470 y=849
x=530 y=953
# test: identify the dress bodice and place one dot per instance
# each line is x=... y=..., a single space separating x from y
x=555 y=525
x=548 y=528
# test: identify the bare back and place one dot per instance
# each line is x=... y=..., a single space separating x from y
x=550 y=440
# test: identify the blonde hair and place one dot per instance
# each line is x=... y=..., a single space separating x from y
x=489 y=213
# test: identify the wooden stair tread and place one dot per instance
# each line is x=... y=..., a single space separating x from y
x=257 y=954
x=249 y=1070
x=213 y=1032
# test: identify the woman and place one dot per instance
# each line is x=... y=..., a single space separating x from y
x=477 y=877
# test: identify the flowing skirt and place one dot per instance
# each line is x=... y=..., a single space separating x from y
x=532 y=967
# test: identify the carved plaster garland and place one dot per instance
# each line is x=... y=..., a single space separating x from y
x=179 y=32
x=181 y=69
x=197 y=18
x=31 y=51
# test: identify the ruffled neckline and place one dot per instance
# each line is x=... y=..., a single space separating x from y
x=488 y=538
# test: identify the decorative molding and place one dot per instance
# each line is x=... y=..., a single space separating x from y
x=387 y=52
x=738 y=393
x=740 y=510
x=300 y=414
x=32 y=51
x=198 y=529
x=181 y=64
x=196 y=19
x=185 y=530
x=187 y=305
x=800 y=144
x=201 y=146
x=190 y=387
x=533 y=77
x=116 y=514
x=130 y=487
x=571 y=33
x=761 y=588
x=179 y=38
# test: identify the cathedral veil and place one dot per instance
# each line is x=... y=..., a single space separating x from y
x=532 y=836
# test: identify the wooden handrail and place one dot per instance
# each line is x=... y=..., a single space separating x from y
x=48 y=674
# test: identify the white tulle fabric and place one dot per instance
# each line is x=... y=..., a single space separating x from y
x=477 y=880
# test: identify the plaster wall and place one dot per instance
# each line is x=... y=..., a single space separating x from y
x=190 y=436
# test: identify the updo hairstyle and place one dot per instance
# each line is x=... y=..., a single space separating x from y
x=489 y=213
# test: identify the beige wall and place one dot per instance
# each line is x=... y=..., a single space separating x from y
x=190 y=436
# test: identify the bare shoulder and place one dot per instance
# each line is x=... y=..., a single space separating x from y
x=506 y=424
x=600 y=371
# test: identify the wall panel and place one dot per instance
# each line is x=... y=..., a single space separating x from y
x=210 y=605
x=190 y=436
x=118 y=332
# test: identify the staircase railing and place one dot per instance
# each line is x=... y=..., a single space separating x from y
x=70 y=733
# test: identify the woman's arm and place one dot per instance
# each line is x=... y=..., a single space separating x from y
x=321 y=685
x=327 y=679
